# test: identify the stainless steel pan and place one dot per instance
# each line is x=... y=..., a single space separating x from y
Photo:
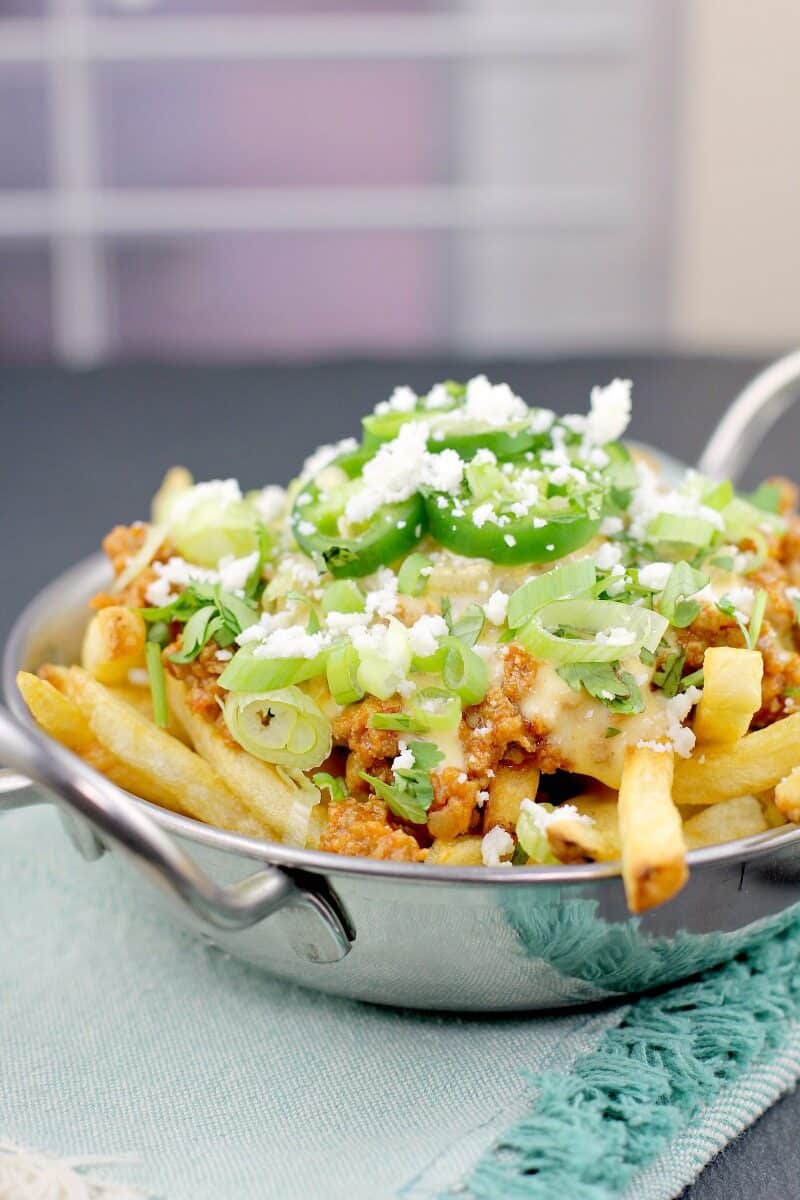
x=480 y=939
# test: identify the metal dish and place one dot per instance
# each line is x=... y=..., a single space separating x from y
x=474 y=939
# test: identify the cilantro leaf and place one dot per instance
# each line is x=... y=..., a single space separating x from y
x=668 y=676
x=726 y=606
x=411 y=794
x=617 y=689
x=469 y=626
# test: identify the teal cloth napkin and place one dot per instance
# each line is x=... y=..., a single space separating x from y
x=120 y=1034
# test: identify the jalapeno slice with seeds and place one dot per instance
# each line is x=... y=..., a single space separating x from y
x=318 y=522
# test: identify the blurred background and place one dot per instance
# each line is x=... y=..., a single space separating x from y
x=196 y=180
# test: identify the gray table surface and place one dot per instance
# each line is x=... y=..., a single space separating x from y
x=83 y=451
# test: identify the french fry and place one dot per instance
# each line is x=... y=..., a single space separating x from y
x=787 y=796
x=55 y=713
x=754 y=764
x=573 y=841
x=271 y=796
x=141 y=699
x=653 y=846
x=731 y=694
x=510 y=786
x=457 y=852
x=174 y=776
x=61 y=718
x=114 y=644
x=725 y=822
x=601 y=805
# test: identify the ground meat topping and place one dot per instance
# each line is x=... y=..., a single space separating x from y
x=120 y=545
x=496 y=725
x=363 y=827
x=371 y=750
x=200 y=678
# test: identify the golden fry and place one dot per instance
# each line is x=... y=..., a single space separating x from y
x=510 y=786
x=141 y=699
x=787 y=796
x=725 y=822
x=731 y=694
x=114 y=644
x=653 y=845
x=173 y=775
x=457 y=852
x=273 y=798
x=754 y=764
x=601 y=805
x=573 y=841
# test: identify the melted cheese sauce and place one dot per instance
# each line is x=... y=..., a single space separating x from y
x=578 y=724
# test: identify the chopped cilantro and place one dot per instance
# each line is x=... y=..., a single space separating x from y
x=411 y=795
x=668 y=676
x=612 y=731
x=469 y=626
x=675 y=604
x=206 y=612
x=617 y=689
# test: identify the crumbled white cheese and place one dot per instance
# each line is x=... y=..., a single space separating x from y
x=655 y=575
x=484 y=458
x=138 y=676
x=306 y=528
x=217 y=492
x=323 y=456
x=610 y=526
x=742 y=599
x=543 y=819
x=510 y=540
x=678 y=737
x=339 y=621
x=270 y=502
x=438 y=397
x=482 y=514
x=495 y=845
x=608 y=556
x=482 y=798
x=496 y=608
x=402 y=399
x=400 y=468
x=235 y=572
x=616 y=636
x=223 y=655
x=492 y=403
x=651 y=498
x=541 y=420
x=292 y=642
x=382 y=599
x=610 y=412
x=258 y=631
x=424 y=634
x=404 y=761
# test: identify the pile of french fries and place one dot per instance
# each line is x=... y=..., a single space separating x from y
x=735 y=784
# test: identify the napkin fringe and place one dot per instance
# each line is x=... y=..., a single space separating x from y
x=589 y=1131
x=32 y=1175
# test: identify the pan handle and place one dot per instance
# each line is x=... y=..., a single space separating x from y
x=750 y=417
x=98 y=813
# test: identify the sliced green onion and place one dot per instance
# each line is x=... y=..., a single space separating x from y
x=381 y=671
x=159 y=632
x=592 y=616
x=568 y=580
x=718 y=495
x=158 y=690
x=342 y=673
x=486 y=481
x=696 y=679
x=464 y=671
x=469 y=626
x=399 y=722
x=412 y=578
x=312 y=625
x=742 y=518
x=675 y=603
x=756 y=618
x=343 y=595
x=533 y=841
x=284 y=726
x=767 y=497
x=681 y=530
x=334 y=784
x=209 y=532
x=246 y=673
x=437 y=709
